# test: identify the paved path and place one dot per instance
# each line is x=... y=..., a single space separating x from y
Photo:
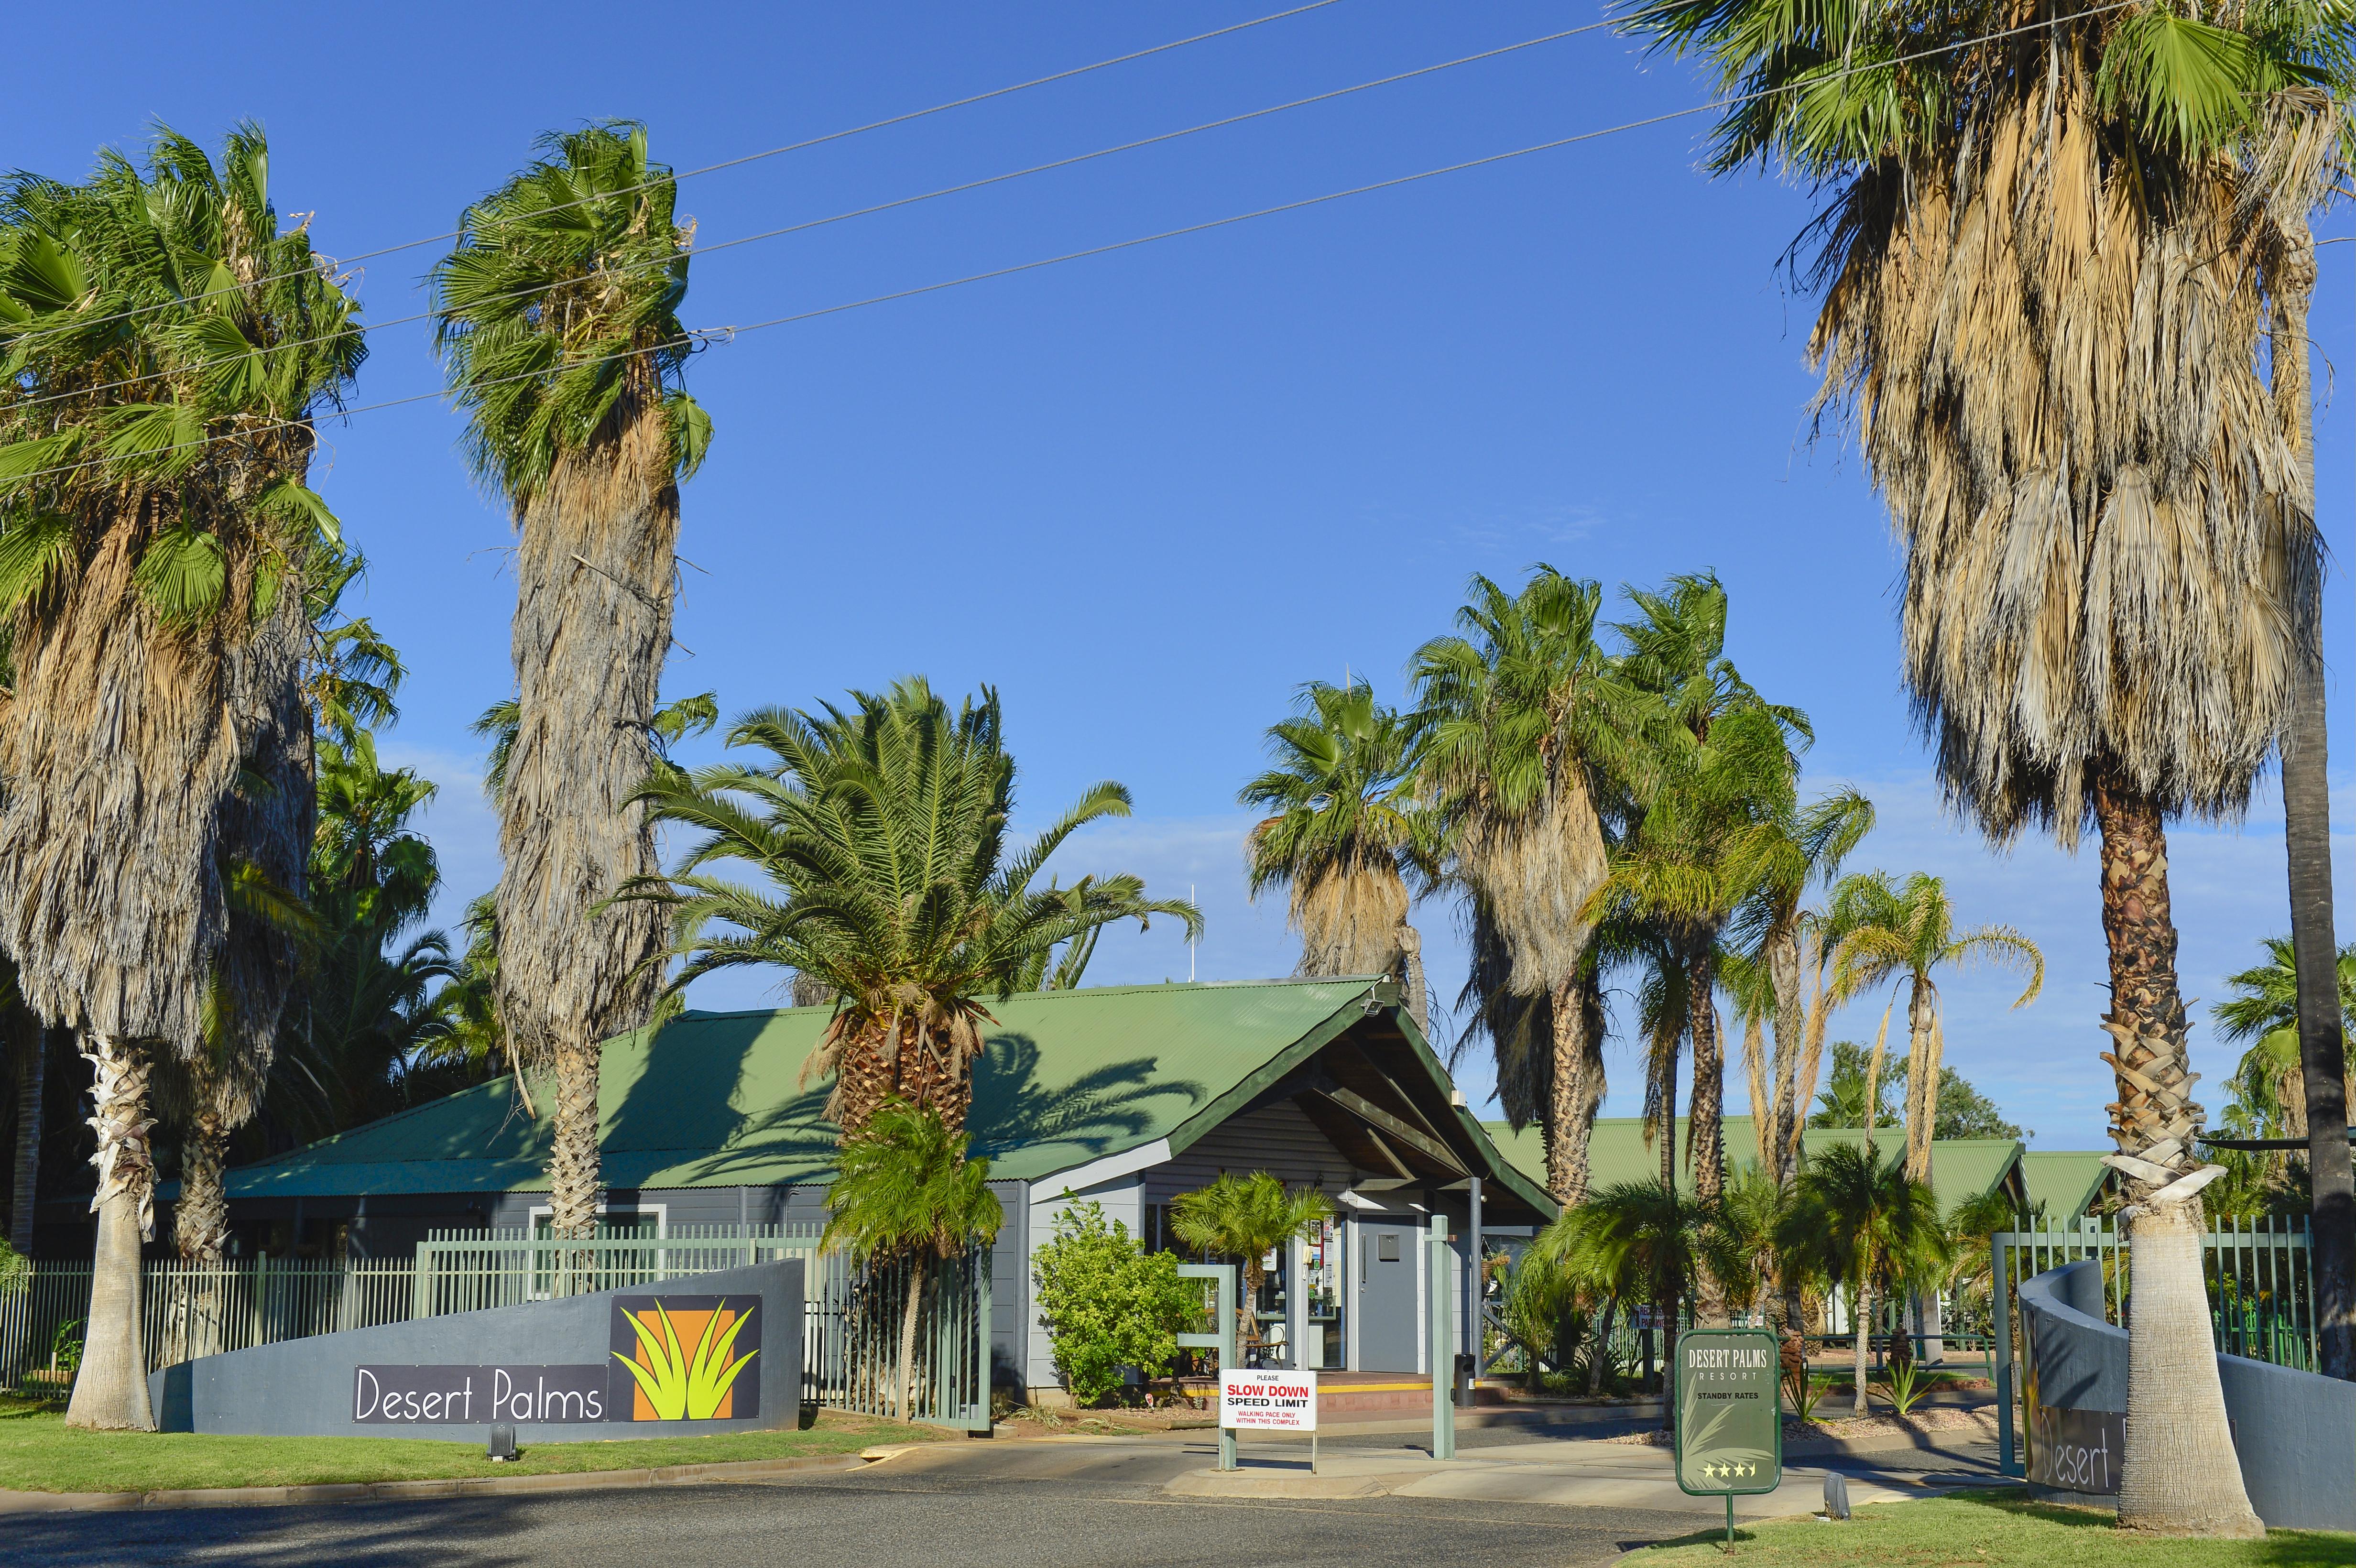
x=1050 y=1503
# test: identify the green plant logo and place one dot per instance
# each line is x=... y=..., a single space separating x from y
x=670 y=1382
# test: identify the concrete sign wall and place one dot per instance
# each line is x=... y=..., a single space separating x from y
x=708 y=1352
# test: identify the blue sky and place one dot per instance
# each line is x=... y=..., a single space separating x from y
x=1147 y=493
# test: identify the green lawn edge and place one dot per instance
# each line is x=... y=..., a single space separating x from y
x=39 y=1452
x=1999 y=1528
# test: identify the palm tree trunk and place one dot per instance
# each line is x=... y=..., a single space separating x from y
x=32 y=1073
x=1602 y=1346
x=2307 y=819
x=1812 y=1055
x=1860 y=1319
x=2175 y=1476
x=200 y=1219
x=1791 y=1027
x=1705 y=1124
x=109 y=1393
x=905 y=1398
x=594 y=586
x=1567 y=1100
x=1918 y=1051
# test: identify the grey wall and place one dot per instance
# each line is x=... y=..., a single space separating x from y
x=2295 y=1433
x=305 y=1387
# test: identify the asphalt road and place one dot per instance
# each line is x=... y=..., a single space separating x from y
x=1026 y=1505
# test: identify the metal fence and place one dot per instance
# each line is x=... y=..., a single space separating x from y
x=187 y=1310
x=2261 y=1293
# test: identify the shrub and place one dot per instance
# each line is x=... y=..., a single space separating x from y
x=1107 y=1304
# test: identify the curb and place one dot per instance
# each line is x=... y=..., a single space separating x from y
x=455 y=1487
x=1262 y=1484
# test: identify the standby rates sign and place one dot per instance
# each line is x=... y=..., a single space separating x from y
x=1730 y=1413
x=1278 y=1402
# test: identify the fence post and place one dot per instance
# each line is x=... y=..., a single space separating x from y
x=421 y=1283
x=1443 y=1344
x=2000 y=1300
x=983 y=1419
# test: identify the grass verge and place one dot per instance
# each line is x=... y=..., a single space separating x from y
x=39 y=1452
x=1987 y=1530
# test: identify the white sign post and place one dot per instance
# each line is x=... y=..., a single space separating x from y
x=1265 y=1400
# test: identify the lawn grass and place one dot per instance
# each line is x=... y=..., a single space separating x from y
x=39 y=1452
x=1986 y=1530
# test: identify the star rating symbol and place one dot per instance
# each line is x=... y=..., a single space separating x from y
x=1728 y=1472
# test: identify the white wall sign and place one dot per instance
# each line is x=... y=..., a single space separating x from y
x=1281 y=1401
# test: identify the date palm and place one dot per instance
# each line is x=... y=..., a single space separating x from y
x=557 y=320
x=905 y=1191
x=2048 y=257
x=1859 y=1221
x=1342 y=833
x=1906 y=931
x=1522 y=729
x=167 y=346
x=880 y=831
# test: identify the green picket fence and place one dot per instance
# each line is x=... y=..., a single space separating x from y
x=852 y=1314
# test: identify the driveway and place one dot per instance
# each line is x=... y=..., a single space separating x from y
x=1051 y=1503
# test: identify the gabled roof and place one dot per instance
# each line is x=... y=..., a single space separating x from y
x=2065 y=1180
x=1070 y=1077
x=1961 y=1168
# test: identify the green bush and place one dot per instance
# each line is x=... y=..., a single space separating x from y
x=1107 y=1304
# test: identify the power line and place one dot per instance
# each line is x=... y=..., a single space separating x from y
x=756 y=158
x=729 y=333
x=856 y=212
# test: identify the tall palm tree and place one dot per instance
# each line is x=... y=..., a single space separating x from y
x=2264 y=1013
x=557 y=319
x=168 y=349
x=2047 y=259
x=1246 y=1218
x=1786 y=852
x=1906 y=930
x=1683 y=870
x=1522 y=727
x=903 y=1190
x=1859 y=1221
x=881 y=829
x=1342 y=832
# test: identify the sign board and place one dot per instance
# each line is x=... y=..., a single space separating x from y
x=1267 y=1401
x=2076 y=1450
x=679 y=1359
x=1730 y=1408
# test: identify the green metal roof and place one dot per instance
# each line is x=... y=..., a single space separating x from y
x=2064 y=1180
x=713 y=1101
x=1960 y=1168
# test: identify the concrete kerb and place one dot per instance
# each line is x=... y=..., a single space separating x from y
x=453 y=1487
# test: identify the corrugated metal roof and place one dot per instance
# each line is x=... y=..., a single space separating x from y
x=2064 y=1180
x=1960 y=1168
x=1070 y=1077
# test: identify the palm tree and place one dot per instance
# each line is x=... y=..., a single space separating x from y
x=557 y=317
x=1719 y=778
x=1342 y=832
x=168 y=349
x=1860 y=1221
x=1522 y=727
x=2265 y=1013
x=27 y=1044
x=1638 y=1239
x=1907 y=932
x=2047 y=261
x=881 y=829
x=904 y=1191
x=1246 y=1218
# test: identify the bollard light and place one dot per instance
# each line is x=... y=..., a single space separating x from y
x=1836 y=1495
x=501 y=1447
